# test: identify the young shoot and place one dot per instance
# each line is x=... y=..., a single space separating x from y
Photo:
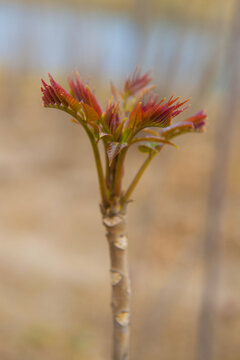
x=133 y=115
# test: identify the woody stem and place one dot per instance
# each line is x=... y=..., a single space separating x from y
x=117 y=240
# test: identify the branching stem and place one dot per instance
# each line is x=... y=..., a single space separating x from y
x=101 y=179
x=137 y=177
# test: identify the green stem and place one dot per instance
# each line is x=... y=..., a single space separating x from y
x=137 y=177
x=101 y=179
x=119 y=173
x=107 y=168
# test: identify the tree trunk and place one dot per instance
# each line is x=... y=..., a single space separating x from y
x=217 y=195
x=116 y=235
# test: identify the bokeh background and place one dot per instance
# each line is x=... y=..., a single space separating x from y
x=184 y=222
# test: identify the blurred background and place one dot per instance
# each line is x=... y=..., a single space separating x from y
x=184 y=223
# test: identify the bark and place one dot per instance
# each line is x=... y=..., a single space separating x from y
x=118 y=243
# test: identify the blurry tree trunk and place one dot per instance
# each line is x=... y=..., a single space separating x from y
x=210 y=69
x=208 y=76
x=141 y=16
x=116 y=235
x=217 y=190
x=174 y=61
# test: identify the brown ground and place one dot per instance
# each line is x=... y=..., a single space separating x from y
x=54 y=280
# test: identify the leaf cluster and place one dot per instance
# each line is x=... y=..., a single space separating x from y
x=133 y=115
